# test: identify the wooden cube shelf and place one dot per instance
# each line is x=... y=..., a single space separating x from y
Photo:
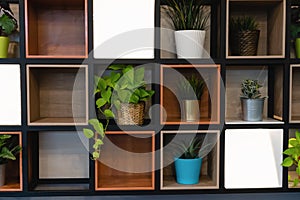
x=209 y=176
x=270 y=16
x=56 y=29
x=234 y=77
x=126 y=161
x=168 y=46
x=294 y=94
x=169 y=97
x=13 y=170
x=57 y=94
x=55 y=148
x=14 y=44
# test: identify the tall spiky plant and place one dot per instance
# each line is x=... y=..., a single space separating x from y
x=187 y=14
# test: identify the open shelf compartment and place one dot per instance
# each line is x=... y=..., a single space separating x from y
x=48 y=151
x=56 y=29
x=209 y=176
x=13 y=169
x=271 y=19
x=168 y=46
x=126 y=161
x=271 y=78
x=209 y=105
x=57 y=94
x=294 y=94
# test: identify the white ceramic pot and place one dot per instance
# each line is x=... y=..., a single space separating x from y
x=190 y=43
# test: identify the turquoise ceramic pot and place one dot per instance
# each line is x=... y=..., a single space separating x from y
x=188 y=170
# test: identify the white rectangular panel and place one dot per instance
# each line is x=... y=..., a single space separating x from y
x=123 y=29
x=10 y=90
x=253 y=158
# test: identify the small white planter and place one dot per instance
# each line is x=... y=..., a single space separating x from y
x=190 y=43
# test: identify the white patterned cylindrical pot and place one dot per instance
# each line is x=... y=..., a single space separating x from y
x=189 y=43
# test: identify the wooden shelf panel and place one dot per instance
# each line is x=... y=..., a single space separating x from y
x=294 y=94
x=56 y=29
x=57 y=94
x=62 y=187
x=234 y=77
x=271 y=18
x=170 y=98
x=13 y=170
x=129 y=158
x=209 y=176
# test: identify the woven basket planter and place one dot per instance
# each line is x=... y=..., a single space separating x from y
x=131 y=114
x=244 y=43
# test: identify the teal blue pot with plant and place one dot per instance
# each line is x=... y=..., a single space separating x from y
x=188 y=164
x=188 y=170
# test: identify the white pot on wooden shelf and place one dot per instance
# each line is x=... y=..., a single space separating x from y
x=189 y=43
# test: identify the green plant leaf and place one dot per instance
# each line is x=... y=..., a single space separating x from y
x=293 y=142
x=106 y=94
x=100 y=102
x=298 y=170
x=97 y=126
x=117 y=104
x=124 y=95
x=290 y=151
x=102 y=84
x=108 y=113
x=287 y=162
x=134 y=99
x=139 y=75
x=88 y=133
x=96 y=155
x=7 y=24
x=116 y=67
x=296 y=182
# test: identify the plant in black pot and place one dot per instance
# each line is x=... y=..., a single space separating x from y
x=190 y=20
x=251 y=100
x=243 y=36
x=188 y=164
x=190 y=91
x=8 y=24
x=9 y=148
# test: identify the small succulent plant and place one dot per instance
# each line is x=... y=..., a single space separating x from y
x=250 y=89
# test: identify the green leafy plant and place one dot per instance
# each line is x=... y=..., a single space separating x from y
x=187 y=14
x=124 y=84
x=250 y=89
x=97 y=134
x=243 y=23
x=8 y=24
x=191 y=87
x=8 y=148
x=293 y=157
x=295 y=23
x=194 y=148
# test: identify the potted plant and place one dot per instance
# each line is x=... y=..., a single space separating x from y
x=293 y=157
x=8 y=151
x=190 y=91
x=125 y=90
x=243 y=36
x=251 y=100
x=188 y=163
x=8 y=24
x=295 y=29
x=190 y=22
